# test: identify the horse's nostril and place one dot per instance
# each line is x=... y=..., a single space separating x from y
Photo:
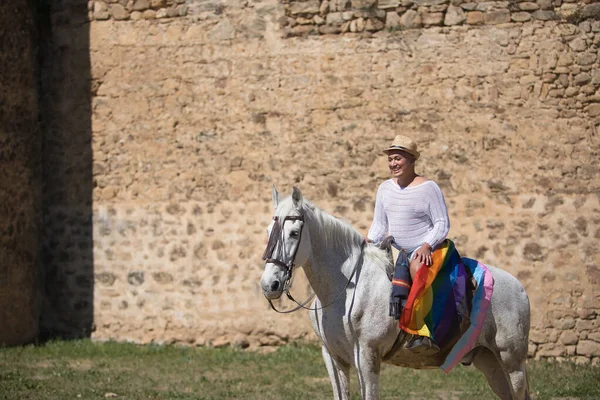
x=274 y=286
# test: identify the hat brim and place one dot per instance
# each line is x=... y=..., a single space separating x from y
x=413 y=153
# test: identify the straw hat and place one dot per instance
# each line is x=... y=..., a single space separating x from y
x=404 y=143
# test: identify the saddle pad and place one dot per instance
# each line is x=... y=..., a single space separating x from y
x=441 y=304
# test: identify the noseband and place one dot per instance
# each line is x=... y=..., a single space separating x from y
x=277 y=237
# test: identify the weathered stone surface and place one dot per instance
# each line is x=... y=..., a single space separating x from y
x=392 y=20
x=141 y=5
x=582 y=79
x=304 y=7
x=545 y=4
x=528 y=6
x=118 y=12
x=569 y=338
x=429 y=19
x=593 y=110
x=430 y=2
x=520 y=16
x=171 y=99
x=587 y=59
x=224 y=30
x=496 y=17
x=543 y=15
x=475 y=18
x=454 y=16
x=334 y=18
x=578 y=44
x=410 y=20
x=591 y=11
x=388 y=4
x=588 y=348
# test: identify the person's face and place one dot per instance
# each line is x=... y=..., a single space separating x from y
x=400 y=163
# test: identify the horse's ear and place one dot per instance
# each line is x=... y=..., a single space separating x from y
x=275 y=197
x=297 y=198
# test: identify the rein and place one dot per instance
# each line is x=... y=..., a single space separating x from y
x=277 y=236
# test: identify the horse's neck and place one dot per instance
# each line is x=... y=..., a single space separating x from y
x=330 y=267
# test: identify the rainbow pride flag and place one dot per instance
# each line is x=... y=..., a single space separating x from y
x=442 y=306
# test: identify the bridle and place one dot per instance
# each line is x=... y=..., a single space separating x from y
x=275 y=237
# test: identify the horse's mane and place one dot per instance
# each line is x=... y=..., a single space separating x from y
x=339 y=234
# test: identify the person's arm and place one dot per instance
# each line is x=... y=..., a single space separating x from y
x=379 y=226
x=438 y=212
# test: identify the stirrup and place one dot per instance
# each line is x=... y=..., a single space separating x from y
x=422 y=345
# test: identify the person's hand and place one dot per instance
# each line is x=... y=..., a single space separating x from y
x=423 y=254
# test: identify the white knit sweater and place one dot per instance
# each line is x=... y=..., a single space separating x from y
x=412 y=215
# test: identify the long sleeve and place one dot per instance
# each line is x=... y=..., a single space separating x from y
x=438 y=212
x=379 y=226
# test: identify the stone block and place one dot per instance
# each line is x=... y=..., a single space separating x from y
x=588 y=348
x=304 y=7
x=329 y=30
x=578 y=44
x=496 y=17
x=571 y=91
x=544 y=15
x=388 y=4
x=569 y=338
x=334 y=18
x=361 y=4
x=584 y=324
x=520 y=16
x=475 y=18
x=118 y=12
x=551 y=350
x=587 y=58
x=468 y=6
x=141 y=5
x=593 y=110
x=392 y=20
x=224 y=30
x=430 y=2
x=591 y=11
x=410 y=19
x=430 y=19
x=454 y=16
x=528 y=6
x=582 y=78
x=545 y=4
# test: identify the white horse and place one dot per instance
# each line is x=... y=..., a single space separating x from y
x=350 y=313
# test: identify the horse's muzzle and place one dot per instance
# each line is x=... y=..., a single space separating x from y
x=272 y=290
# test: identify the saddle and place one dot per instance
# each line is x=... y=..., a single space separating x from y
x=446 y=300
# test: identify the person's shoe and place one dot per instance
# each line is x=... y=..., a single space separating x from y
x=422 y=345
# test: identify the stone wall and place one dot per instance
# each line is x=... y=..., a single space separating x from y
x=20 y=183
x=195 y=114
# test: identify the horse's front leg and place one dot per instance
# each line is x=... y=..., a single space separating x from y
x=339 y=373
x=368 y=367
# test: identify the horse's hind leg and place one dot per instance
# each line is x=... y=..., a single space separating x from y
x=339 y=374
x=507 y=379
x=514 y=367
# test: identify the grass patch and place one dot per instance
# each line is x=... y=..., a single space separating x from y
x=87 y=370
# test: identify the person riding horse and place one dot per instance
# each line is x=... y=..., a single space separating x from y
x=412 y=209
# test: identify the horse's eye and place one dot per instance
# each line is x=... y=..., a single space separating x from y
x=294 y=234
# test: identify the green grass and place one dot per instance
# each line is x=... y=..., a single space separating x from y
x=86 y=370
